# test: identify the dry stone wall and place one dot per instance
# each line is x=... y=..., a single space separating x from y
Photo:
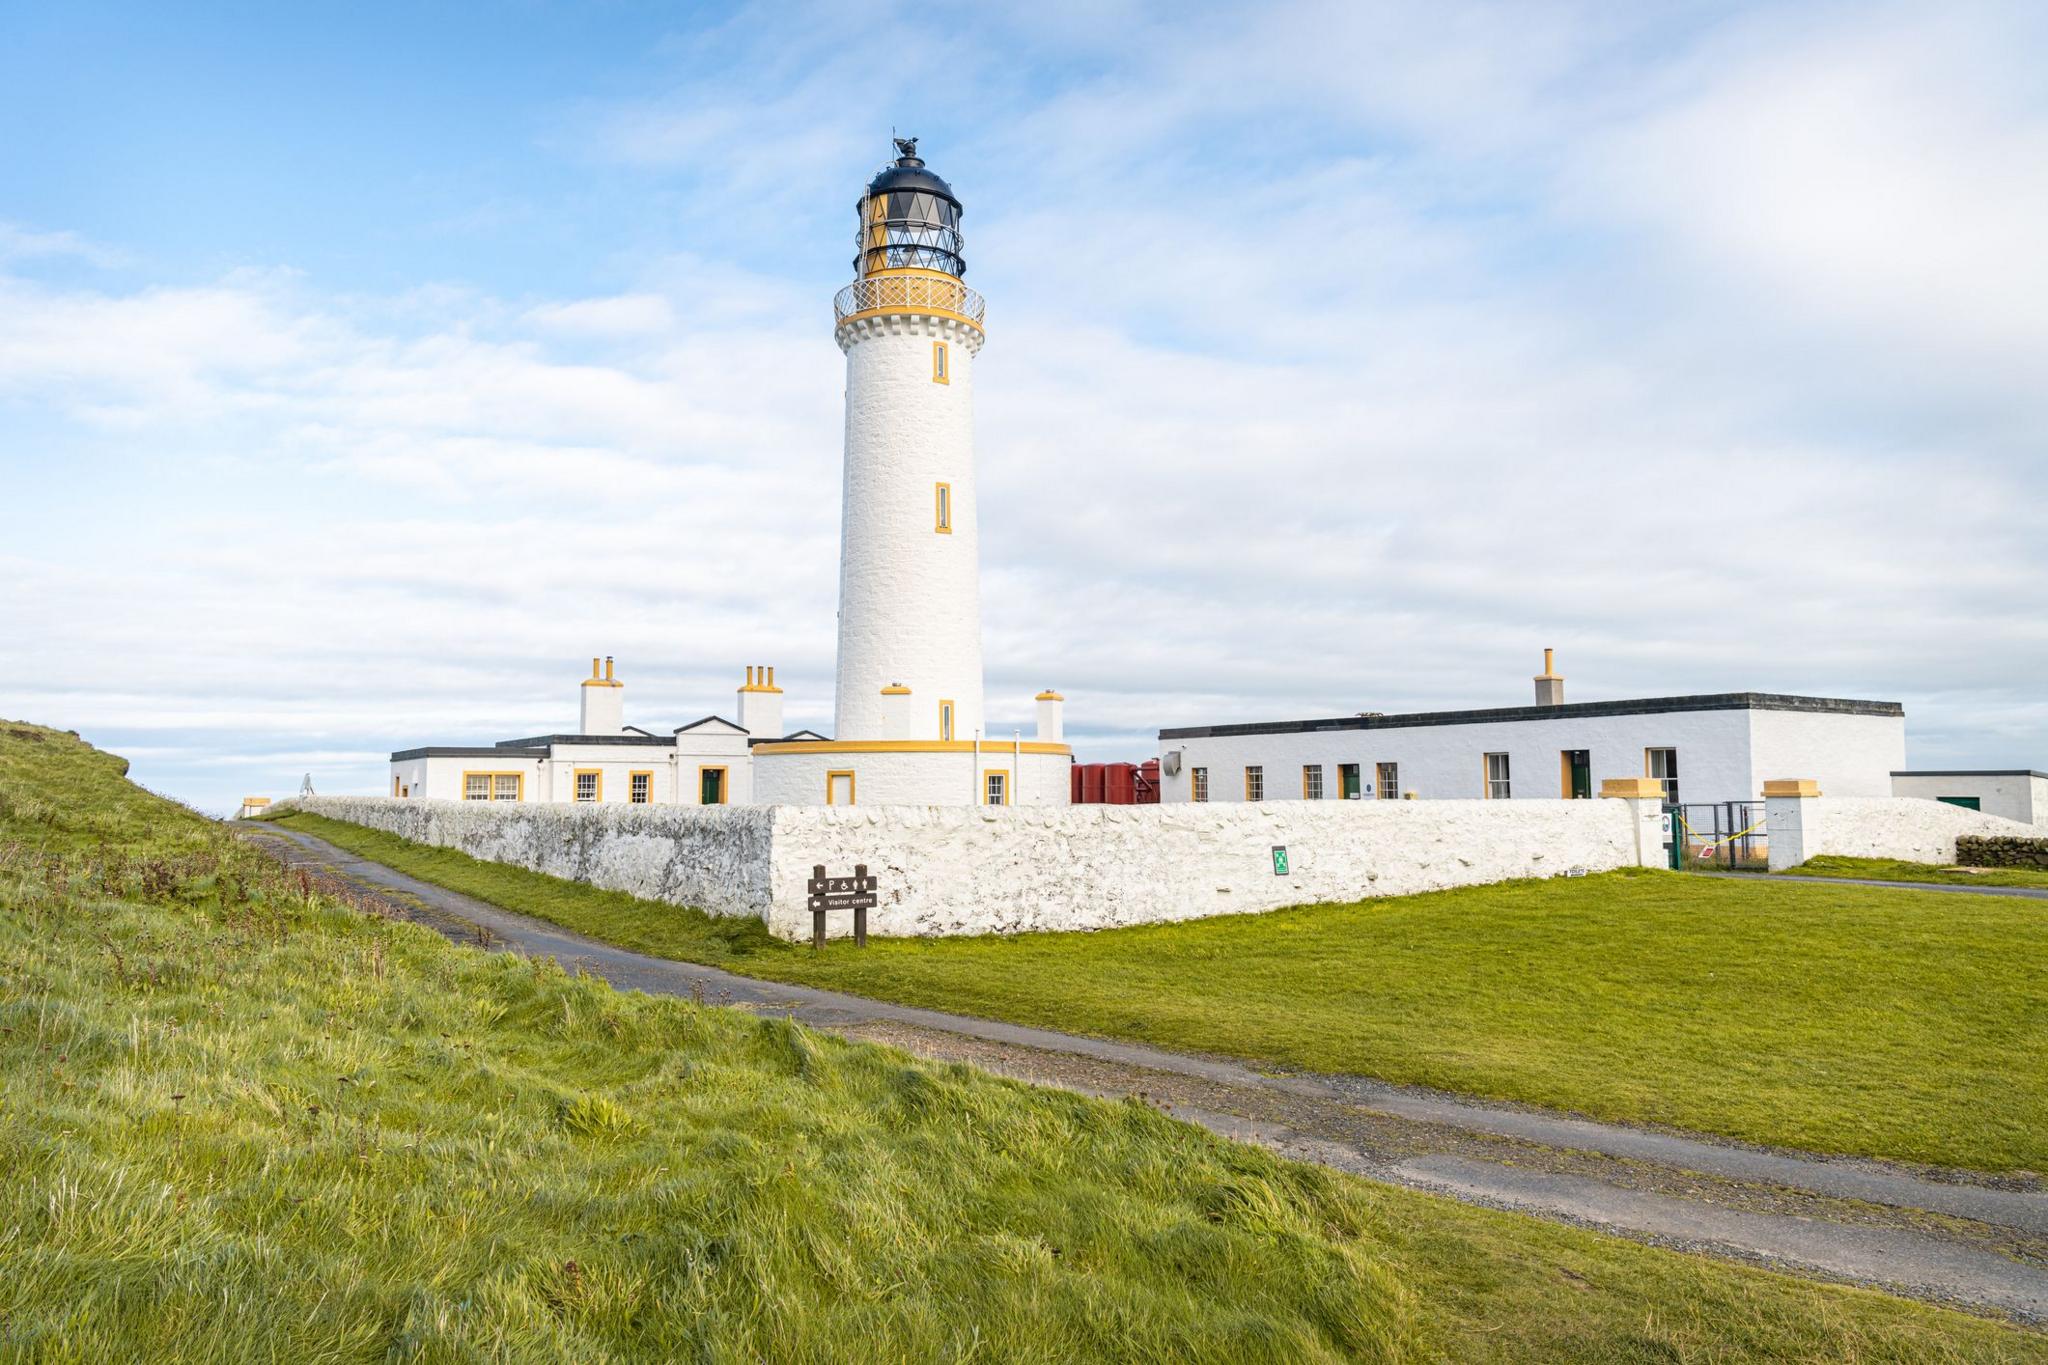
x=977 y=869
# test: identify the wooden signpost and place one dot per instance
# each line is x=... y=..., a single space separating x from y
x=855 y=893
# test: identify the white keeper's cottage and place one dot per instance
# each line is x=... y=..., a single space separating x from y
x=1709 y=748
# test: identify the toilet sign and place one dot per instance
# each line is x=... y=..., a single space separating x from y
x=1279 y=860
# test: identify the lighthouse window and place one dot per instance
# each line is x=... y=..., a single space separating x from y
x=942 y=508
x=939 y=363
x=946 y=720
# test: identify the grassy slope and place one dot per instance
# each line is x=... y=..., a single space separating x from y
x=242 y=1122
x=1892 y=870
x=1868 y=1021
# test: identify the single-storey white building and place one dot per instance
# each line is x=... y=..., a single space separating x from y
x=1712 y=748
x=2015 y=793
x=707 y=762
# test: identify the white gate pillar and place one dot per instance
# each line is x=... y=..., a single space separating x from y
x=1792 y=820
x=1644 y=797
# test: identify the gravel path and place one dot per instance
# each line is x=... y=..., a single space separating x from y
x=1948 y=1236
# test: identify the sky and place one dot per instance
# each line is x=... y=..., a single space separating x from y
x=366 y=369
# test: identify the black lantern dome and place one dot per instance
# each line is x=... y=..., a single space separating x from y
x=909 y=220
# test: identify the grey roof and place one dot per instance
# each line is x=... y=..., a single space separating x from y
x=707 y=720
x=796 y=735
x=457 y=751
x=548 y=741
x=1647 y=706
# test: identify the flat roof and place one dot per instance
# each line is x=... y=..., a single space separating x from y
x=447 y=751
x=1967 y=772
x=544 y=741
x=1580 y=710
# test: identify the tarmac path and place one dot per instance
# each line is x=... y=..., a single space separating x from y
x=1955 y=1237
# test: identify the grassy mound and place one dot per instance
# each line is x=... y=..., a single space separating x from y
x=1844 y=1019
x=1896 y=870
x=241 y=1120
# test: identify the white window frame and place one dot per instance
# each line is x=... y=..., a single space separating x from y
x=1499 y=778
x=1669 y=778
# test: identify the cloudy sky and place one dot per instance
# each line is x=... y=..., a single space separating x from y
x=363 y=375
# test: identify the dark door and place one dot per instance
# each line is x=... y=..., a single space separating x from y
x=1347 y=780
x=712 y=784
x=1578 y=774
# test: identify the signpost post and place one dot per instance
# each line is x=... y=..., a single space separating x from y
x=855 y=893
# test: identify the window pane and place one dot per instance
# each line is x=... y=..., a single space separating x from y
x=1254 y=784
x=507 y=787
x=476 y=787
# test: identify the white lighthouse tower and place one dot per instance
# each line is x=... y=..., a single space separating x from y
x=909 y=725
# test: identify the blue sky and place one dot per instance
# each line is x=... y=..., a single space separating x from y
x=363 y=370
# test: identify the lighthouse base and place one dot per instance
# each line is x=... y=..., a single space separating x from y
x=911 y=773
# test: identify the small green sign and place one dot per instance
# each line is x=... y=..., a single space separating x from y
x=1279 y=860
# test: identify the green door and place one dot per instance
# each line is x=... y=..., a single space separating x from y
x=1966 y=802
x=1347 y=779
x=711 y=782
x=1581 y=763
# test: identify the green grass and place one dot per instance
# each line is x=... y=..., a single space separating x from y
x=242 y=1121
x=1893 y=870
x=1838 y=1019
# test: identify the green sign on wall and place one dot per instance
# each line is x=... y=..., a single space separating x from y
x=1279 y=860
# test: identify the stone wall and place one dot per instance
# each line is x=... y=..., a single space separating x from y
x=713 y=857
x=1906 y=828
x=1976 y=850
x=974 y=870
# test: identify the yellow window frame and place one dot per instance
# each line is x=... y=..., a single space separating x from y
x=635 y=776
x=852 y=786
x=1008 y=790
x=942 y=508
x=575 y=781
x=946 y=719
x=491 y=777
x=941 y=364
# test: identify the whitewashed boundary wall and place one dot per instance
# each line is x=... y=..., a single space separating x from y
x=976 y=870
x=1911 y=829
x=713 y=857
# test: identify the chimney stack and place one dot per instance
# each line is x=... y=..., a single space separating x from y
x=604 y=706
x=1549 y=686
x=1052 y=724
x=761 y=704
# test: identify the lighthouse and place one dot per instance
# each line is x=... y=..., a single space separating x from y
x=908 y=720
x=909 y=549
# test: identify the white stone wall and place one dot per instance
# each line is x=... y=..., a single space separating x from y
x=1906 y=828
x=713 y=858
x=909 y=597
x=2020 y=796
x=974 y=870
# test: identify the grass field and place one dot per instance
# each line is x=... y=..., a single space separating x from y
x=1892 y=870
x=243 y=1121
x=1838 y=1019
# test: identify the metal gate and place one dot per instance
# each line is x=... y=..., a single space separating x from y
x=1725 y=834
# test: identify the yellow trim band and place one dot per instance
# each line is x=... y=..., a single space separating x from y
x=906 y=746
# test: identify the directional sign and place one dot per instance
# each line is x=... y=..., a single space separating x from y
x=855 y=893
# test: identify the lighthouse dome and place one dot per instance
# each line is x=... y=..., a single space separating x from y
x=909 y=220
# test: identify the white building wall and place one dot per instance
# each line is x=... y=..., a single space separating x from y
x=2021 y=796
x=913 y=778
x=1448 y=761
x=1848 y=755
x=909 y=596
